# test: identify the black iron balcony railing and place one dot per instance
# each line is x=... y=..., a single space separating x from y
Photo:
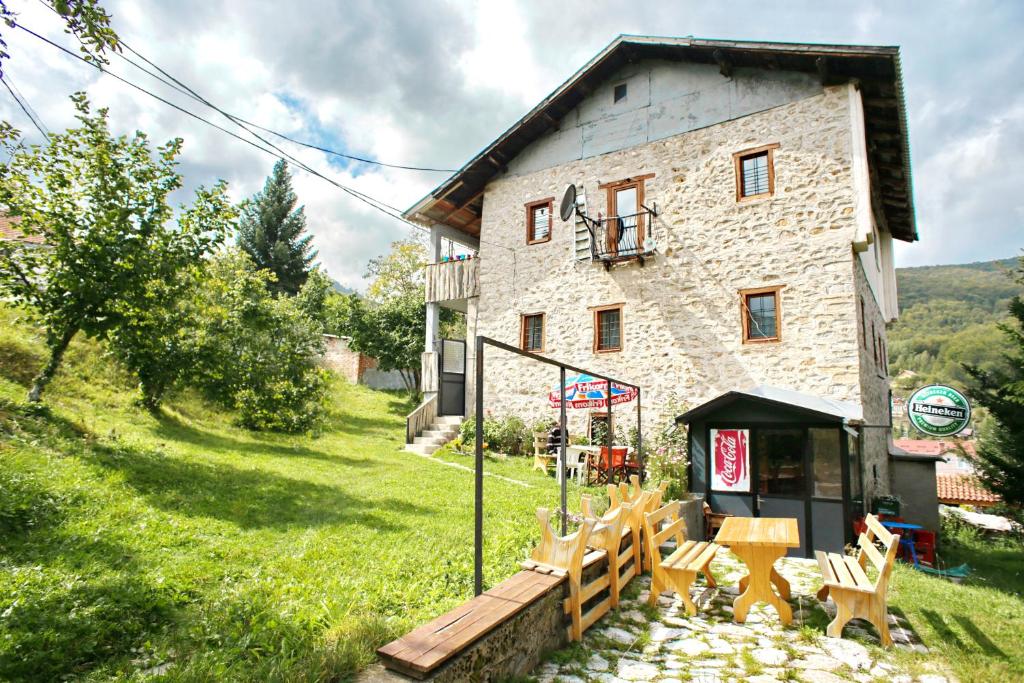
x=620 y=238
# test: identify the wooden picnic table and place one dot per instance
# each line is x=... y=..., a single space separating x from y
x=759 y=541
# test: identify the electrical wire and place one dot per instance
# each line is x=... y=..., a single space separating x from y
x=25 y=108
x=189 y=92
x=380 y=205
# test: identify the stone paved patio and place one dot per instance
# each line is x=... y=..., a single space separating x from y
x=640 y=643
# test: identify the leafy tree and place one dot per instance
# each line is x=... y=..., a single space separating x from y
x=271 y=233
x=156 y=341
x=390 y=331
x=100 y=204
x=389 y=323
x=1001 y=448
x=85 y=19
x=399 y=273
x=253 y=352
x=313 y=297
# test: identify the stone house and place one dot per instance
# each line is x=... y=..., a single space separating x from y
x=735 y=262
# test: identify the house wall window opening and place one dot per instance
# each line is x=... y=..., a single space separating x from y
x=538 y=220
x=532 y=333
x=608 y=329
x=755 y=172
x=761 y=315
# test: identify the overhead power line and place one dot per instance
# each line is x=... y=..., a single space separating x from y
x=185 y=90
x=27 y=108
x=365 y=198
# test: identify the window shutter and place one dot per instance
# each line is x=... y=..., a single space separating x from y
x=582 y=235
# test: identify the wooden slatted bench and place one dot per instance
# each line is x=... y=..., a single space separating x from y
x=679 y=570
x=424 y=651
x=846 y=580
x=643 y=502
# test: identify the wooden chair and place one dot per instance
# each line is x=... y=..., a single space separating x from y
x=847 y=582
x=679 y=570
x=542 y=460
x=607 y=468
x=563 y=556
x=712 y=521
x=610 y=530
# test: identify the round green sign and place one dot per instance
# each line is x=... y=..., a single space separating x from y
x=939 y=410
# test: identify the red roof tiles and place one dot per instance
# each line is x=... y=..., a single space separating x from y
x=929 y=447
x=960 y=489
x=9 y=231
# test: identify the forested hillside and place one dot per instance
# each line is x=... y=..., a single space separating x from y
x=948 y=316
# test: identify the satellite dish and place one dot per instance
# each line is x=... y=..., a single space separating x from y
x=568 y=203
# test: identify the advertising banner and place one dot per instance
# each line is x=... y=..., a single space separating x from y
x=730 y=460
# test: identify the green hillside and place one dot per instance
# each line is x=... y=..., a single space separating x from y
x=949 y=315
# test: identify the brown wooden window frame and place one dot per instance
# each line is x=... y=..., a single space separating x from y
x=530 y=206
x=738 y=157
x=598 y=310
x=523 y=318
x=745 y=294
x=611 y=204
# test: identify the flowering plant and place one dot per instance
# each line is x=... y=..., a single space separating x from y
x=666 y=454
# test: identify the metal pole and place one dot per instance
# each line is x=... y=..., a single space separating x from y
x=640 y=441
x=609 y=435
x=478 y=529
x=561 y=453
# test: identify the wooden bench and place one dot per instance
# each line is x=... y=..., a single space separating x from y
x=643 y=502
x=421 y=652
x=679 y=570
x=564 y=556
x=846 y=580
x=608 y=534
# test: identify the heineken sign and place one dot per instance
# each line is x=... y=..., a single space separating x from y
x=938 y=410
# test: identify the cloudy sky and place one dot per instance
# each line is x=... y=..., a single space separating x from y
x=431 y=83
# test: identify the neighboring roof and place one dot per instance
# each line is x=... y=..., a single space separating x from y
x=962 y=489
x=814 y=405
x=900 y=453
x=458 y=201
x=9 y=231
x=927 y=447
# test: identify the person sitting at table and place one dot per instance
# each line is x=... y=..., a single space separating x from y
x=555 y=439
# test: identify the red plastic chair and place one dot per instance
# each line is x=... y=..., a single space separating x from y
x=606 y=470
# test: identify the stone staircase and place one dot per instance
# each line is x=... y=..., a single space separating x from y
x=441 y=431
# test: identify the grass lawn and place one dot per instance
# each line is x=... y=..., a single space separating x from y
x=129 y=542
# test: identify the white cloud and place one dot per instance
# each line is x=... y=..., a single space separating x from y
x=432 y=83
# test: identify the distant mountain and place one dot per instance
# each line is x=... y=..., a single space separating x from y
x=948 y=316
x=340 y=288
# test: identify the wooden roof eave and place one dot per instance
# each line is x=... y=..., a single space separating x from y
x=877 y=66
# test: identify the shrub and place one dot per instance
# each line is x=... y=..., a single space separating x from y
x=255 y=353
x=504 y=435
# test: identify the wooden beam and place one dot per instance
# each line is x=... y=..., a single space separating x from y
x=821 y=64
x=724 y=65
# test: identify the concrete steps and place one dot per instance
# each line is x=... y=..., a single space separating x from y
x=440 y=432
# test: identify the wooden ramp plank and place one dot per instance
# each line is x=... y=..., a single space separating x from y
x=426 y=648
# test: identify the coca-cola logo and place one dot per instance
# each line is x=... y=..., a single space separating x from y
x=731 y=458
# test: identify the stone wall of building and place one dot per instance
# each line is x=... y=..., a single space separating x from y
x=874 y=380
x=681 y=310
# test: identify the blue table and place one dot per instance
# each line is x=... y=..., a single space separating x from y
x=904 y=541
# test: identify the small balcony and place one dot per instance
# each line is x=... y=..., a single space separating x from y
x=452 y=282
x=622 y=238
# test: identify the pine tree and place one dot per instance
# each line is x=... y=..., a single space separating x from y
x=271 y=231
x=1001 y=449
